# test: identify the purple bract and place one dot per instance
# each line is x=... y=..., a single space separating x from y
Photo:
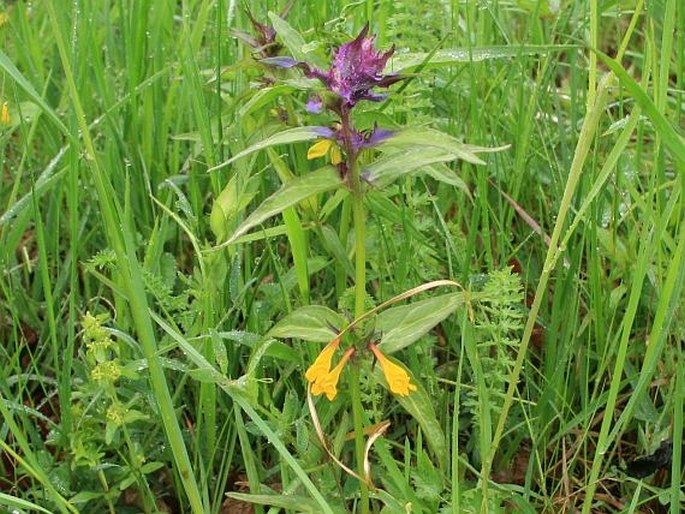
x=357 y=68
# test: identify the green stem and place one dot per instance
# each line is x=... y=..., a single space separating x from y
x=359 y=220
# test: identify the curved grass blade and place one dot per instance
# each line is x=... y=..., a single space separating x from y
x=294 y=135
x=319 y=181
x=8 y=66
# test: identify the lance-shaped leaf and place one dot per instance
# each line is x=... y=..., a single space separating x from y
x=410 y=138
x=264 y=97
x=310 y=323
x=287 y=502
x=445 y=174
x=403 y=325
x=412 y=149
x=294 y=135
x=392 y=166
x=319 y=181
x=291 y=38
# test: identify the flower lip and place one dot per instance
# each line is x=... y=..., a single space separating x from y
x=322 y=364
x=314 y=104
x=397 y=377
x=328 y=383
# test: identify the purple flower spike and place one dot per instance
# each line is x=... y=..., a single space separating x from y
x=357 y=67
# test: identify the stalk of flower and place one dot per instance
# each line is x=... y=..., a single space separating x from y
x=397 y=377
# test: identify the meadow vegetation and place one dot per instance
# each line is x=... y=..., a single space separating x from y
x=342 y=257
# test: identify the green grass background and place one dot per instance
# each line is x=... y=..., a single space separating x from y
x=118 y=109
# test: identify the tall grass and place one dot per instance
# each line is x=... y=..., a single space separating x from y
x=138 y=368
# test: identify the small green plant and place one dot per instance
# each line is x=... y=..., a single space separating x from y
x=111 y=413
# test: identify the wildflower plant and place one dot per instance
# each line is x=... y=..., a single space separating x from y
x=359 y=159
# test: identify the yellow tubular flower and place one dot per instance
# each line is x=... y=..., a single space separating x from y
x=329 y=383
x=319 y=149
x=396 y=376
x=336 y=155
x=5 y=114
x=323 y=147
x=322 y=364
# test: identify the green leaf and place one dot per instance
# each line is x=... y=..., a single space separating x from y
x=264 y=97
x=84 y=496
x=445 y=174
x=227 y=206
x=309 y=323
x=294 y=135
x=291 y=38
x=412 y=149
x=447 y=56
x=410 y=138
x=151 y=467
x=390 y=167
x=319 y=181
x=335 y=247
x=403 y=325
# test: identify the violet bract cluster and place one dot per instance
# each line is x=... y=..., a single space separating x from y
x=356 y=70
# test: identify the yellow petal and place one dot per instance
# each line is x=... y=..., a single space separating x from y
x=397 y=377
x=322 y=364
x=319 y=149
x=329 y=383
x=336 y=156
x=5 y=114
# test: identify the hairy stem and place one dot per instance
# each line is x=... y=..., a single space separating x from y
x=358 y=219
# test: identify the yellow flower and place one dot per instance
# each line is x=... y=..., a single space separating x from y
x=322 y=364
x=328 y=383
x=324 y=146
x=396 y=376
x=5 y=114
